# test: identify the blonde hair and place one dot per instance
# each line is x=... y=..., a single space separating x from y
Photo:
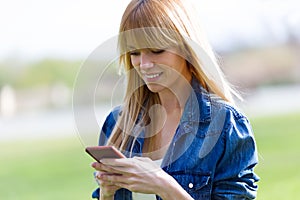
x=161 y=23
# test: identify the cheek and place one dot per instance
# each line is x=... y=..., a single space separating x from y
x=178 y=64
x=135 y=65
x=134 y=61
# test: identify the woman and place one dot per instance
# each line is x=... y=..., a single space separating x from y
x=178 y=126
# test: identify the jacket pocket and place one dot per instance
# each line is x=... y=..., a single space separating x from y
x=198 y=185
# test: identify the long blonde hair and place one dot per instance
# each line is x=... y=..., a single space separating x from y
x=161 y=23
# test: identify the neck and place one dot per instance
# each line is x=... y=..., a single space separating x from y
x=174 y=99
x=170 y=102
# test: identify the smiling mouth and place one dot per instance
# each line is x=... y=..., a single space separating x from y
x=151 y=76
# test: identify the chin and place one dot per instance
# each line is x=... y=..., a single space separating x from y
x=155 y=88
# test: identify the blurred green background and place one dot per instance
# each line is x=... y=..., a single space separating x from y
x=41 y=152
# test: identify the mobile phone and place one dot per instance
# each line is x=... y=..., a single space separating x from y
x=100 y=152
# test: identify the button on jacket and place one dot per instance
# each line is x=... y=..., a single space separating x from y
x=212 y=154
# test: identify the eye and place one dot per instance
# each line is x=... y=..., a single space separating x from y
x=134 y=53
x=157 y=51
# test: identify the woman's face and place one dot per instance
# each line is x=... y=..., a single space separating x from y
x=160 y=68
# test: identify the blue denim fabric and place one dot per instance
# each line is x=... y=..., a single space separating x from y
x=212 y=154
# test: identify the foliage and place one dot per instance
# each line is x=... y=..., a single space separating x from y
x=39 y=73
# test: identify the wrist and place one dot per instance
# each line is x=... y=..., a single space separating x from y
x=172 y=190
x=105 y=196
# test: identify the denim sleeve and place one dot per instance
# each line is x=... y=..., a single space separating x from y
x=105 y=132
x=95 y=194
x=108 y=126
x=234 y=175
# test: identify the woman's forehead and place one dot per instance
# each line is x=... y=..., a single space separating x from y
x=141 y=43
x=149 y=36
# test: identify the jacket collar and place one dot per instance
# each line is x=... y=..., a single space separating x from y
x=197 y=109
x=198 y=105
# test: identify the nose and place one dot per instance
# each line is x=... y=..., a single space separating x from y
x=146 y=61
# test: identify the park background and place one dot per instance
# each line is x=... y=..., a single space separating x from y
x=43 y=45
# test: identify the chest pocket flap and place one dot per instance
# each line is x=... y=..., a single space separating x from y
x=198 y=185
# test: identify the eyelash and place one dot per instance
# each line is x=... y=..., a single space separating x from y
x=134 y=53
x=158 y=51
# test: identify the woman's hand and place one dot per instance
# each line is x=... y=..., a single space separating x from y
x=107 y=188
x=139 y=174
x=136 y=174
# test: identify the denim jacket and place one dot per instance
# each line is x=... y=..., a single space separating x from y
x=212 y=154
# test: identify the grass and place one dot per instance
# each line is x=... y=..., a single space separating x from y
x=52 y=169
x=59 y=168
x=278 y=144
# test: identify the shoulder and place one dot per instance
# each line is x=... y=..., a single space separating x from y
x=109 y=124
x=236 y=133
x=232 y=110
x=212 y=107
x=233 y=116
x=113 y=115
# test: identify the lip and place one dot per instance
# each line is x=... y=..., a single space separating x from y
x=152 y=76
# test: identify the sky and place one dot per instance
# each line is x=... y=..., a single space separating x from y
x=34 y=29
